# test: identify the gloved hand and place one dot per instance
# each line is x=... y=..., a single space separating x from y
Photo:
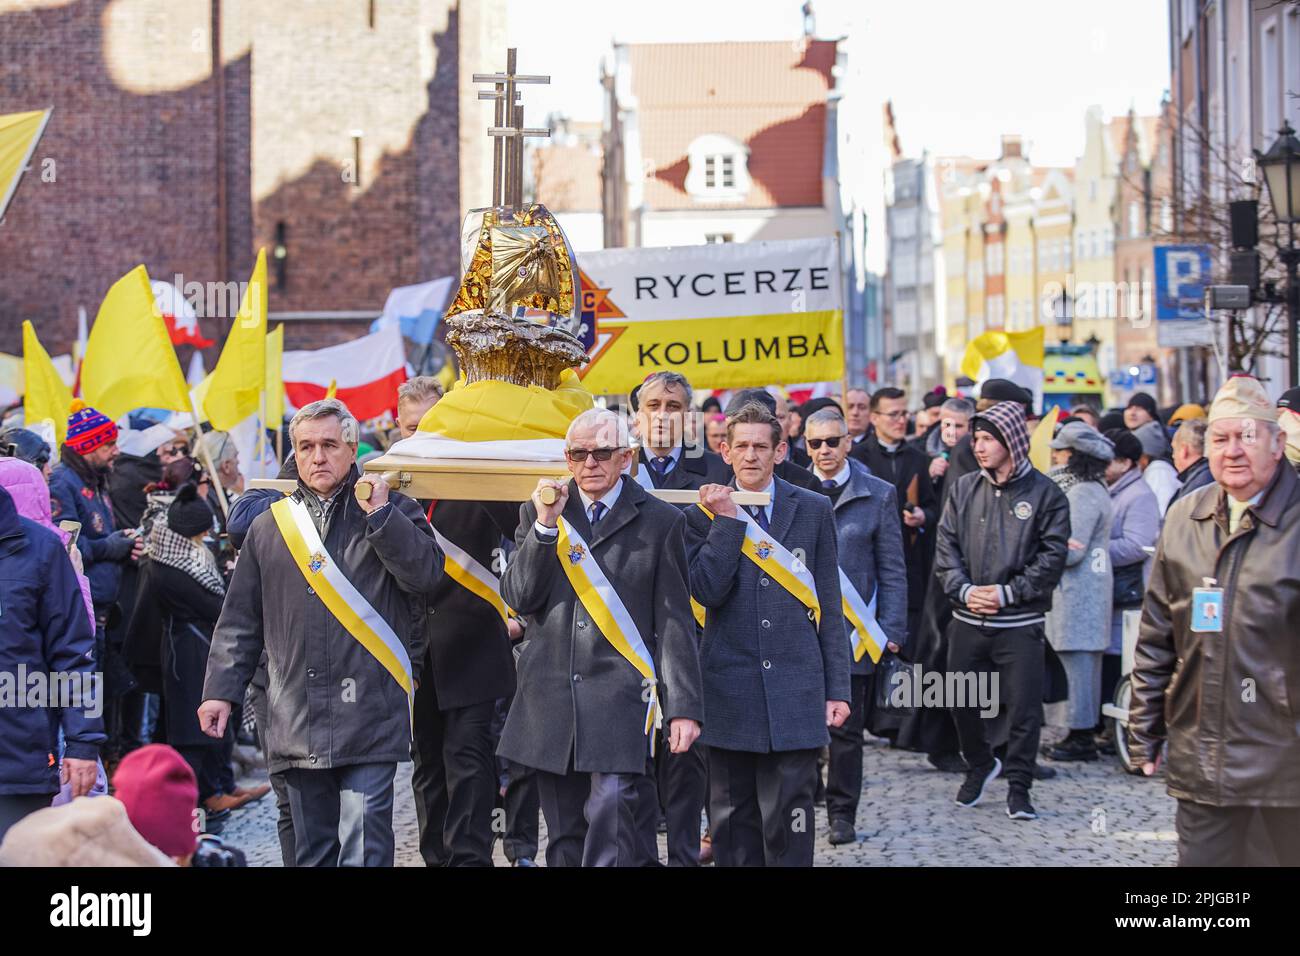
x=117 y=546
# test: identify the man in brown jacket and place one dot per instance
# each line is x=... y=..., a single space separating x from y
x=1217 y=667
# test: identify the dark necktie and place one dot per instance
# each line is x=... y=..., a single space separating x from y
x=597 y=512
x=760 y=515
x=829 y=485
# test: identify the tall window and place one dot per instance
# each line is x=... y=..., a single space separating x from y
x=1270 y=82
x=1134 y=219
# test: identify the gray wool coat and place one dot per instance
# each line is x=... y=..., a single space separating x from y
x=1080 y=616
x=768 y=669
x=871 y=553
x=331 y=703
x=578 y=700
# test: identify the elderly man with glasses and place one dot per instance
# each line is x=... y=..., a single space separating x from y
x=600 y=572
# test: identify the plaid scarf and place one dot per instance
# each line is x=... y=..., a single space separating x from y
x=169 y=548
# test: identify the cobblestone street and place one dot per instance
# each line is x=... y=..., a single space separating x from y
x=1091 y=814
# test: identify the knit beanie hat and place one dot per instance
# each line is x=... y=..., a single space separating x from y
x=1005 y=421
x=1146 y=402
x=189 y=515
x=158 y=789
x=88 y=429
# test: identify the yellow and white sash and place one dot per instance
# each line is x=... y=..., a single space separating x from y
x=338 y=594
x=866 y=635
x=465 y=570
x=775 y=560
x=609 y=613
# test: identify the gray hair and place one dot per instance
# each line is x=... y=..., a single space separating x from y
x=419 y=389
x=609 y=425
x=669 y=380
x=327 y=407
x=827 y=416
x=958 y=406
x=1191 y=433
x=219 y=446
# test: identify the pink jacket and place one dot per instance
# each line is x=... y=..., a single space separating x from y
x=26 y=485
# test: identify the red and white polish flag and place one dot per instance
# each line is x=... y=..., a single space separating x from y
x=367 y=372
x=179 y=316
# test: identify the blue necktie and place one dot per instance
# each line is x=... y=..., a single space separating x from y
x=829 y=485
x=597 y=512
x=760 y=515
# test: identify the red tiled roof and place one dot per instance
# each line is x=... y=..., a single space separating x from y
x=567 y=178
x=771 y=96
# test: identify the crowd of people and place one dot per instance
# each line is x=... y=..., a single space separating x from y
x=617 y=664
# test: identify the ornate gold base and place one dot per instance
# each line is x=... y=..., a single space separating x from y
x=491 y=346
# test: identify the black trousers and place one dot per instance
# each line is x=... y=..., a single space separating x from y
x=343 y=816
x=683 y=783
x=761 y=807
x=1218 y=836
x=599 y=819
x=844 y=775
x=205 y=761
x=454 y=780
x=15 y=806
x=522 y=805
x=1016 y=654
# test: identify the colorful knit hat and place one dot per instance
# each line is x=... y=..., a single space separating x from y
x=88 y=429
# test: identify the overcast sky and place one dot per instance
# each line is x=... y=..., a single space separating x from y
x=959 y=73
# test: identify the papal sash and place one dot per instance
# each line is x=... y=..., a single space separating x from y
x=866 y=636
x=338 y=594
x=775 y=560
x=608 y=612
x=465 y=570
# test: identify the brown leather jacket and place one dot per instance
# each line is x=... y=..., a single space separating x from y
x=1229 y=703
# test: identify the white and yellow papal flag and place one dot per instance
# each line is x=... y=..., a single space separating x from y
x=19 y=133
x=1016 y=356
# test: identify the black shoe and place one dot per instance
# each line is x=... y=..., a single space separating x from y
x=1105 y=742
x=977 y=780
x=948 y=763
x=1043 y=772
x=842 y=832
x=1018 y=805
x=1075 y=747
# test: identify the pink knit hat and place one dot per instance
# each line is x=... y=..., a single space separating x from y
x=158 y=789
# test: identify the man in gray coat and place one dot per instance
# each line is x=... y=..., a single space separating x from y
x=601 y=575
x=339 y=693
x=871 y=557
x=775 y=657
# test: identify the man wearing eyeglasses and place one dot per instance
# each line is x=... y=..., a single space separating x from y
x=601 y=575
x=888 y=455
x=870 y=544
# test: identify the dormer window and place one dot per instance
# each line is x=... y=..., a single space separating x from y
x=718 y=169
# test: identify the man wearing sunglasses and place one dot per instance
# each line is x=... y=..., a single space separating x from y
x=601 y=575
x=870 y=544
x=775 y=656
x=888 y=455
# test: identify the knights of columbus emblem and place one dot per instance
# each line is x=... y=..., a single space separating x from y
x=576 y=553
x=764 y=549
x=317 y=562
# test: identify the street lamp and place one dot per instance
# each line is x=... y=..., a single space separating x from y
x=1281 y=166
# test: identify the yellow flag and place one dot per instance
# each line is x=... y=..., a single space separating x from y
x=1017 y=356
x=275 y=377
x=333 y=390
x=1040 y=442
x=19 y=133
x=45 y=394
x=235 y=389
x=130 y=362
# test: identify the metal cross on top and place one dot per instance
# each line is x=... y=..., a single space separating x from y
x=508 y=131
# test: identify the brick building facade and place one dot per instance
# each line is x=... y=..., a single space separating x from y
x=331 y=130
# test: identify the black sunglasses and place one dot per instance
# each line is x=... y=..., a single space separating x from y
x=580 y=454
x=815 y=443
